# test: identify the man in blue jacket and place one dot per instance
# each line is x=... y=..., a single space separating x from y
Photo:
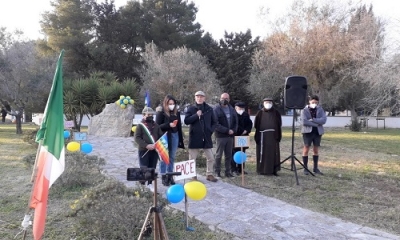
x=313 y=117
x=227 y=124
x=201 y=120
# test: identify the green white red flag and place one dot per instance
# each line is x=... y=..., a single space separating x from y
x=51 y=159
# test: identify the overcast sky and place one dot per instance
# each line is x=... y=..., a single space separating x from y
x=215 y=16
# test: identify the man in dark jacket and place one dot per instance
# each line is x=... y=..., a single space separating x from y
x=201 y=120
x=244 y=128
x=225 y=132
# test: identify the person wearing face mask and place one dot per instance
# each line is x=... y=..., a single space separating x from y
x=244 y=128
x=227 y=124
x=169 y=120
x=146 y=134
x=268 y=134
x=313 y=117
x=201 y=120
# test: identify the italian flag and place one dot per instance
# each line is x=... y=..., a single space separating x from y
x=50 y=160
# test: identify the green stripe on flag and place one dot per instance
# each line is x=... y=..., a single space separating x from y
x=52 y=128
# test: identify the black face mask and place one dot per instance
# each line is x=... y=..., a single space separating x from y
x=150 y=119
x=224 y=102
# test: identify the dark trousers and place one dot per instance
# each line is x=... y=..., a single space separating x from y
x=237 y=167
x=148 y=160
x=224 y=147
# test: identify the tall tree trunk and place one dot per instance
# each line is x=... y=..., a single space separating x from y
x=18 y=123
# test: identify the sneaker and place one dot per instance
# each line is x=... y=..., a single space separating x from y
x=211 y=178
x=306 y=172
x=150 y=187
x=218 y=174
x=236 y=173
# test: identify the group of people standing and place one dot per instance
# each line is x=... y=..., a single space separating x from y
x=226 y=122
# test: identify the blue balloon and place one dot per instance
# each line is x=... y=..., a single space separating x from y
x=175 y=193
x=239 y=157
x=67 y=134
x=86 y=148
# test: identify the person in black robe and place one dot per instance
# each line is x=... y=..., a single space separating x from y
x=268 y=134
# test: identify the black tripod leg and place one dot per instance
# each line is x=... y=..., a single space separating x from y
x=294 y=169
x=145 y=223
x=284 y=160
x=304 y=166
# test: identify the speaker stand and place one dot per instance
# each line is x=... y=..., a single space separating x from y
x=292 y=156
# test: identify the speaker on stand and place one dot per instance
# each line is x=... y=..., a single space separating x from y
x=295 y=98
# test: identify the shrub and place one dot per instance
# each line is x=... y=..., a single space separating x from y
x=111 y=210
x=29 y=136
x=81 y=170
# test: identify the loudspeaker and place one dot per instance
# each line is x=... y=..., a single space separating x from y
x=295 y=92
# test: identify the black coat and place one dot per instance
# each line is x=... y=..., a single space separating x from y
x=222 y=128
x=200 y=129
x=163 y=120
x=244 y=123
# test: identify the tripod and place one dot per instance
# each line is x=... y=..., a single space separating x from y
x=292 y=156
x=160 y=231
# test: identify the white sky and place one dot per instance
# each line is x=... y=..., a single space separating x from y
x=215 y=16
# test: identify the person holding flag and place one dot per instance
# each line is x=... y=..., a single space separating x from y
x=146 y=132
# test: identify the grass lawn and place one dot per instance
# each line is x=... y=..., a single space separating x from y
x=361 y=181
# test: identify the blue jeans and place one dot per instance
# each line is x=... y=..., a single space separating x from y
x=172 y=153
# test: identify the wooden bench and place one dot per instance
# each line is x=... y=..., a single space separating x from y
x=380 y=119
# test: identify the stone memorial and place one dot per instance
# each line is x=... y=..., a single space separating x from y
x=113 y=121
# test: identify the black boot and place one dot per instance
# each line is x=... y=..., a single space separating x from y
x=316 y=170
x=305 y=162
x=171 y=180
x=165 y=180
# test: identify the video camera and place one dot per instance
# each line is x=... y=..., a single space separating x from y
x=145 y=174
x=141 y=174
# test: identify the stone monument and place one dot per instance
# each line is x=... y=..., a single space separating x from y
x=113 y=121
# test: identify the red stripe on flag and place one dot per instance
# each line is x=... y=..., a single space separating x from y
x=161 y=147
x=41 y=192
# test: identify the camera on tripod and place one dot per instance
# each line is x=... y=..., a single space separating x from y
x=141 y=174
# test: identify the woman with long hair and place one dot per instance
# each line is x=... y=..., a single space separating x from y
x=169 y=120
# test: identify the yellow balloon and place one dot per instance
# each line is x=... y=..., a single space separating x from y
x=126 y=101
x=195 y=190
x=123 y=105
x=73 y=146
x=131 y=101
x=121 y=97
x=128 y=97
x=133 y=128
x=118 y=102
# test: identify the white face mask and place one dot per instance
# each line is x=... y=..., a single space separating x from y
x=240 y=112
x=171 y=107
x=268 y=105
x=313 y=105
